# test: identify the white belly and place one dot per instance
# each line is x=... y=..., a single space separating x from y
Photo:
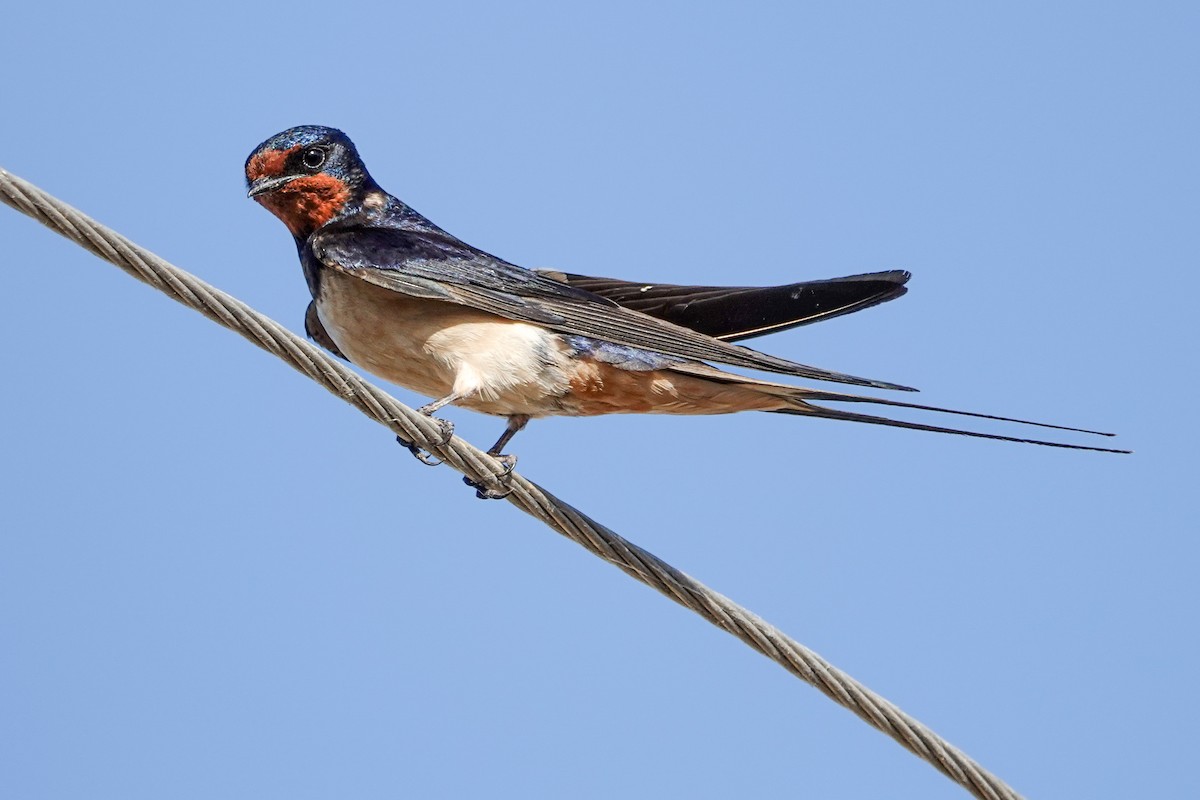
x=437 y=348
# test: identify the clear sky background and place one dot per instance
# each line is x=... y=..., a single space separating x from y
x=218 y=581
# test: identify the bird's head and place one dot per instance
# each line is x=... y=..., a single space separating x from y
x=308 y=176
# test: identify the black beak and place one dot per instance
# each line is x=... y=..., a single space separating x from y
x=267 y=185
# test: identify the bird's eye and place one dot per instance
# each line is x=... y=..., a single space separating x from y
x=313 y=157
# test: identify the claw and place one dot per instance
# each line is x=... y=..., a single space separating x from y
x=488 y=493
x=419 y=453
x=508 y=462
x=447 y=429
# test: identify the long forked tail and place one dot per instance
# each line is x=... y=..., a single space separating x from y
x=803 y=407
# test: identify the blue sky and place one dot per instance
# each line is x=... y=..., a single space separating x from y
x=216 y=580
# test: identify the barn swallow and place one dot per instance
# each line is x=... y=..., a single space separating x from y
x=405 y=300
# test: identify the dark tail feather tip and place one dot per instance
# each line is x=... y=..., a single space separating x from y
x=838 y=397
x=810 y=410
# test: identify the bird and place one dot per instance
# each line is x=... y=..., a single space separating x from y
x=410 y=303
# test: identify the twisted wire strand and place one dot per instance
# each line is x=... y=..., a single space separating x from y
x=640 y=564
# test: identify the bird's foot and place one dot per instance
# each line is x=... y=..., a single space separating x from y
x=421 y=454
x=447 y=430
x=501 y=489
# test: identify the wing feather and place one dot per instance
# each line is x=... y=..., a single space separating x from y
x=741 y=312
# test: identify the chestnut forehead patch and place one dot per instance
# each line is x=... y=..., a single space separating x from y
x=268 y=163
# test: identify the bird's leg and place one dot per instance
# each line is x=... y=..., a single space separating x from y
x=429 y=409
x=515 y=424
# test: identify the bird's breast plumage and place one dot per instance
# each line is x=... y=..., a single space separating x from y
x=437 y=348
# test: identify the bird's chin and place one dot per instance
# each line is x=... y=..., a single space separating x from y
x=305 y=205
x=288 y=213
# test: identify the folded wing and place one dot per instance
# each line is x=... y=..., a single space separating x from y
x=741 y=312
x=438 y=267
